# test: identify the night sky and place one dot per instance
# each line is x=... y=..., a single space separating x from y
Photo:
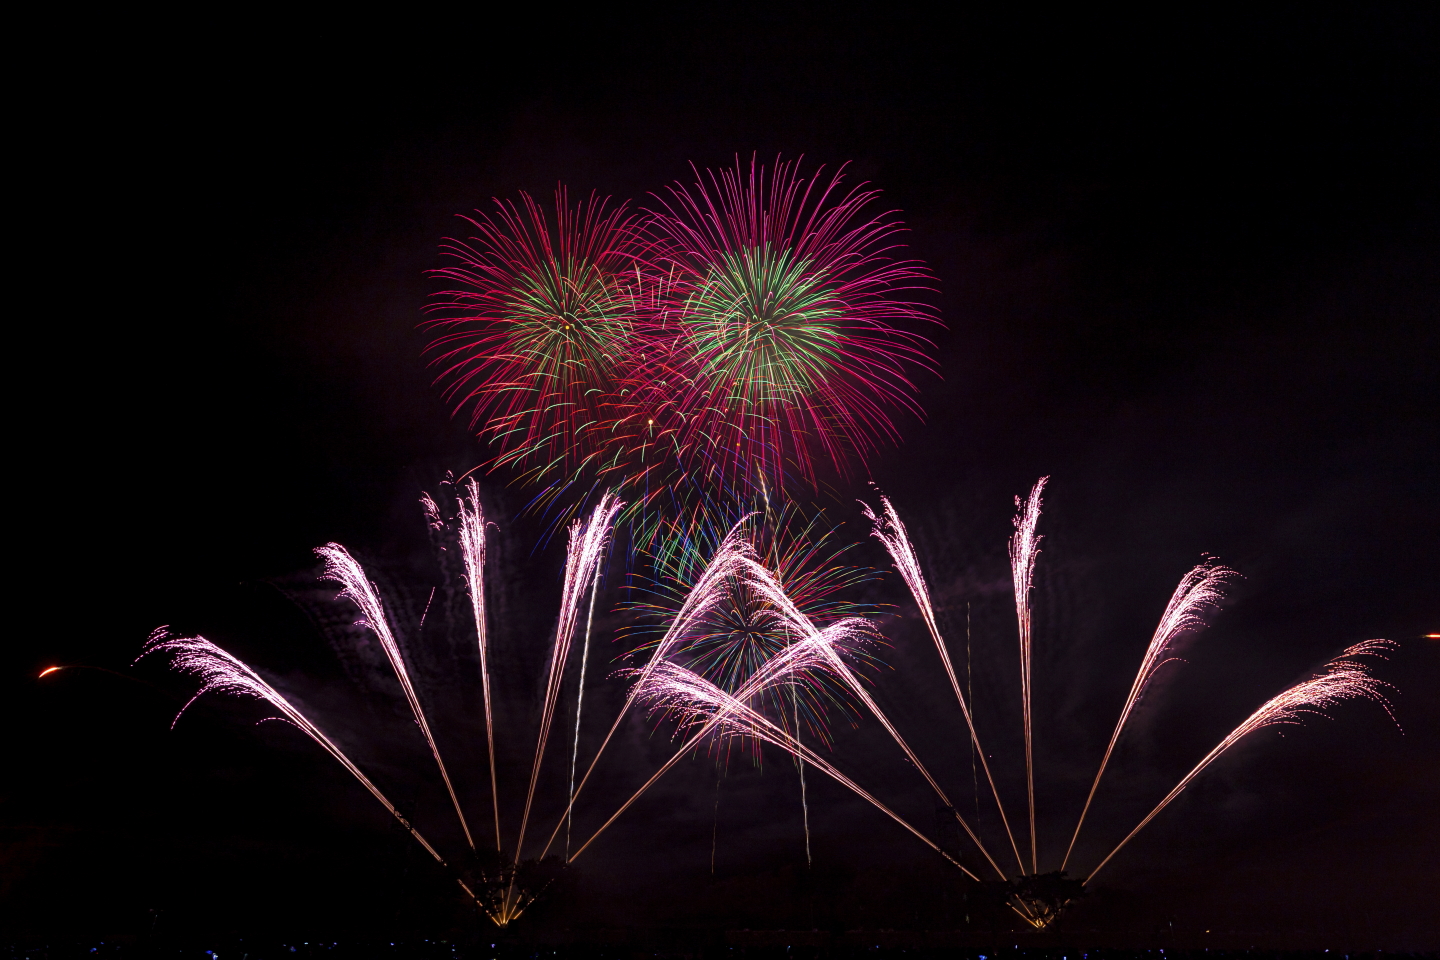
x=1187 y=265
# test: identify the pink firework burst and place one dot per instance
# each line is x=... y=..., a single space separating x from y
x=783 y=294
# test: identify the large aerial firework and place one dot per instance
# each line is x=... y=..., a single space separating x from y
x=749 y=332
x=540 y=331
x=787 y=303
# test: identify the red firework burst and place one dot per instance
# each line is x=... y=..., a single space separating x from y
x=540 y=332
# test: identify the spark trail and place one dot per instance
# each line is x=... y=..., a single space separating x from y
x=764 y=582
x=587 y=542
x=705 y=594
x=219 y=671
x=891 y=532
x=1024 y=546
x=342 y=568
x=1199 y=590
x=580 y=700
x=1341 y=679
x=472 y=548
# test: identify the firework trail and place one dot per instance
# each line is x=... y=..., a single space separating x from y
x=891 y=532
x=580 y=701
x=698 y=703
x=472 y=548
x=1024 y=546
x=220 y=672
x=812 y=654
x=800 y=765
x=766 y=584
x=702 y=596
x=784 y=296
x=1199 y=590
x=587 y=542
x=342 y=568
x=739 y=632
x=1341 y=679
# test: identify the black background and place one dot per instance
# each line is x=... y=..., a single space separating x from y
x=1187 y=264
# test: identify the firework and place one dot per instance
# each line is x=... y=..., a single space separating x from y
x=1199 y=590
x=890 y=531
x=220 y=672
x=343 y=569
x=746 y=335
x=1024 y=546
x=784 y=299
x=1341 y=679
x=535 y=340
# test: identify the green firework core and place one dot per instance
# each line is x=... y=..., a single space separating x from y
x=571 y=322
x=766 y=327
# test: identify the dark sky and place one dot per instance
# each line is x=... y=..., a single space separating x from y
x=1188 y=268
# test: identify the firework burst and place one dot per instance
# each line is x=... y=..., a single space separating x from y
x=537 y=336
x=782 y=292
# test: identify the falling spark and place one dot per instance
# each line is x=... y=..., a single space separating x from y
x=1024 y=546
x=891 y=532
x=1200 y=589
x=48 y=670
x=1341 y=679
x=343 y=569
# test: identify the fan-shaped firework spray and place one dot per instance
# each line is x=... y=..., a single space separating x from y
x=1341 y=679
x=220 y=672
x=732 y=637
x=1198 y=591
x=344 y=570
